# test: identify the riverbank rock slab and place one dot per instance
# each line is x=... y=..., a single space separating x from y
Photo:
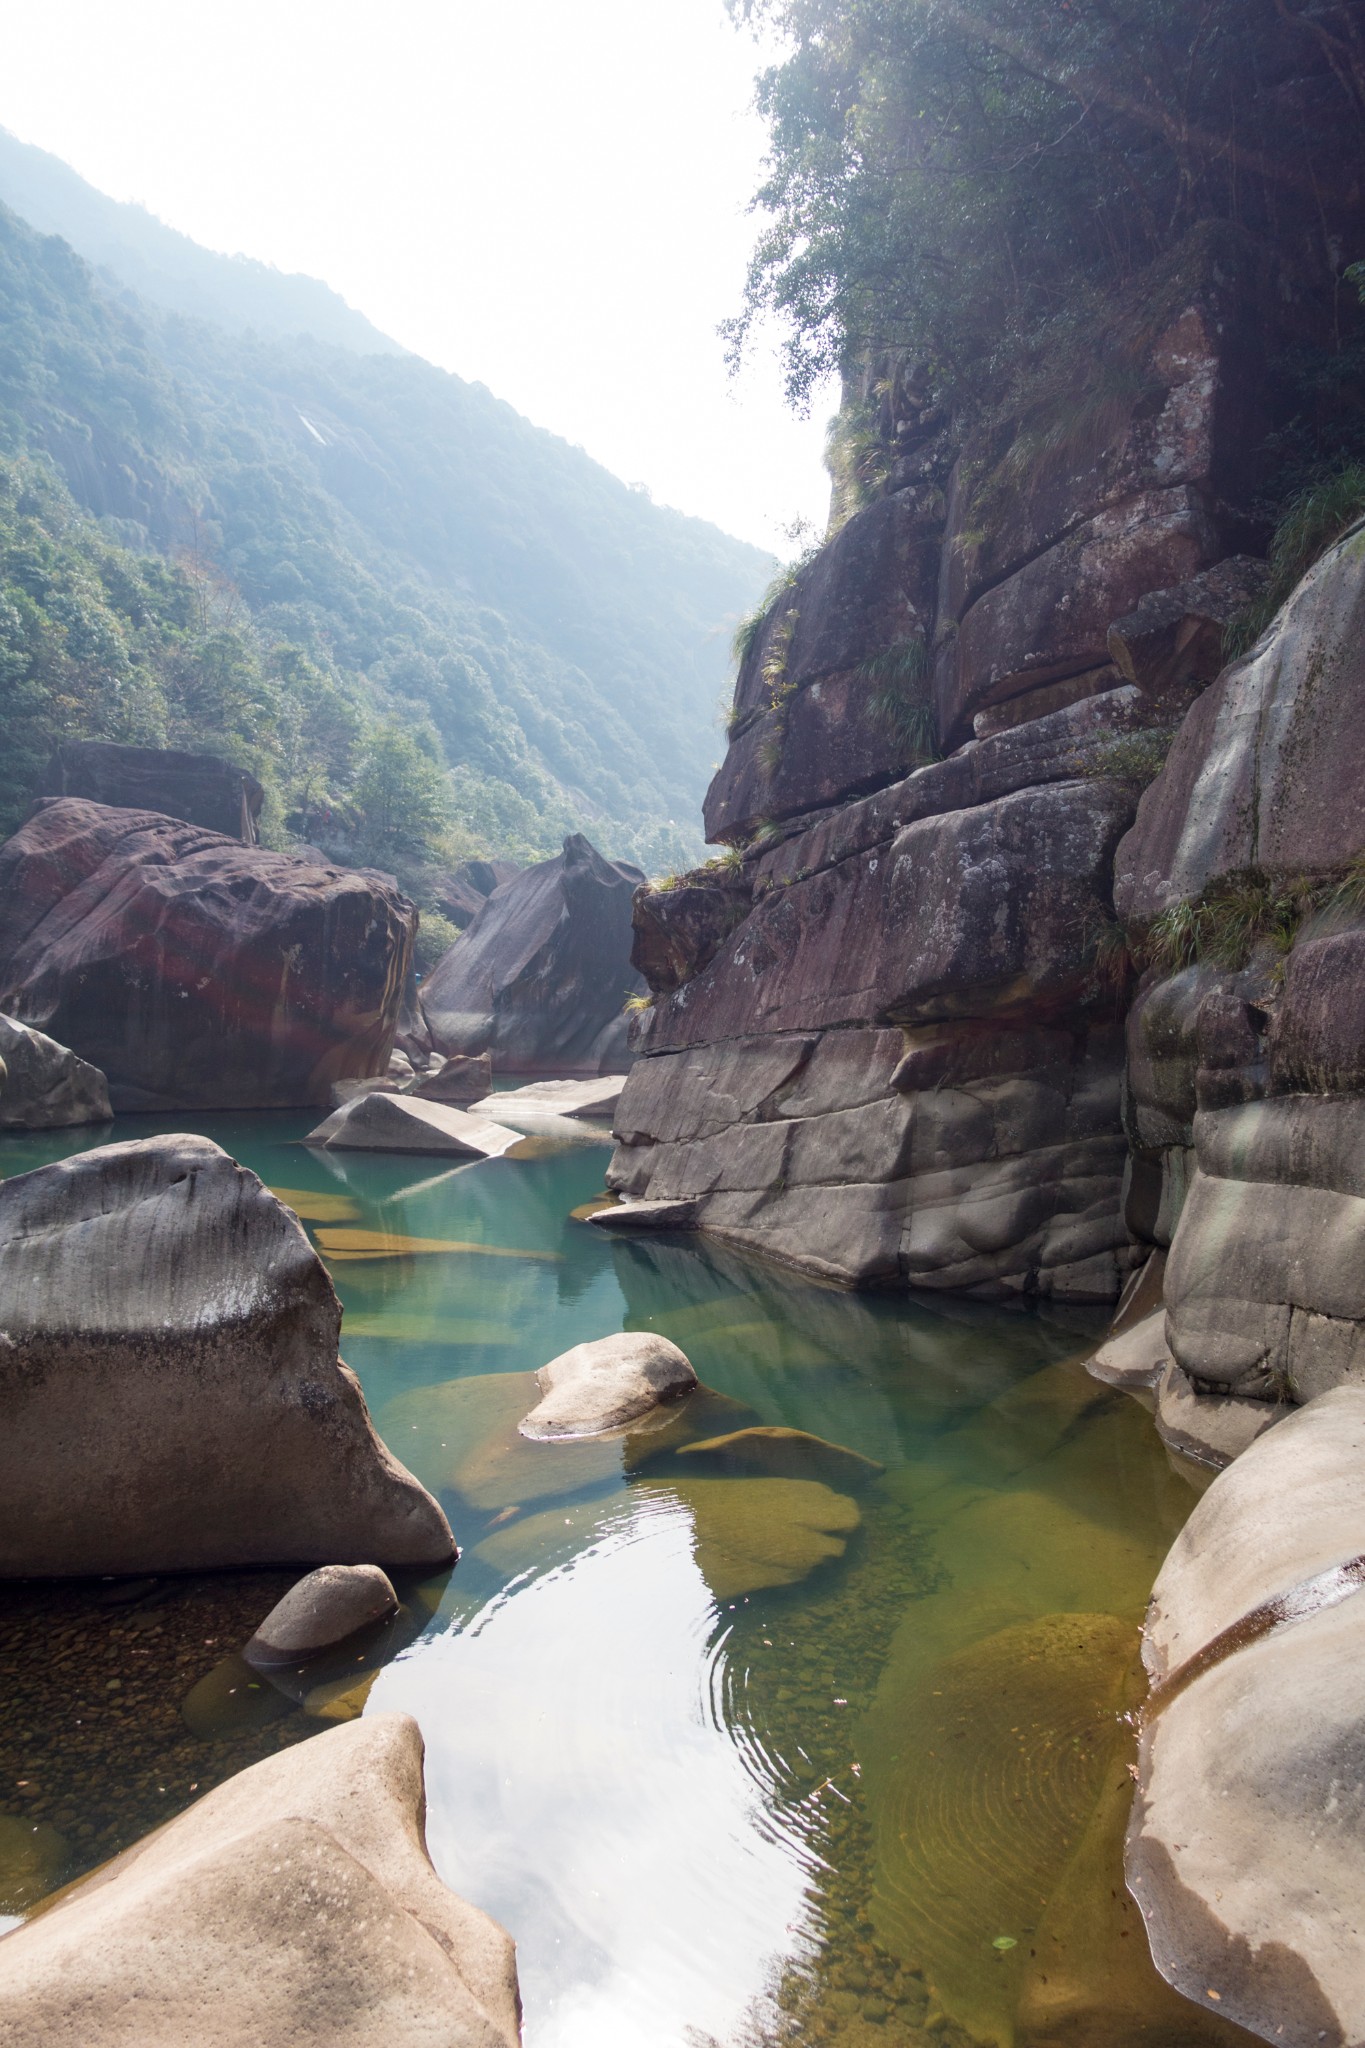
x=293 y=1907
x=196 y=972
x=606 y=1384
x=170 y=1392
x=377 y=1121
x=45 y=1087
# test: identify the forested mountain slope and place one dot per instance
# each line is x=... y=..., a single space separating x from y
x=544 y=631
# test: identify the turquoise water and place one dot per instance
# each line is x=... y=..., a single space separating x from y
x=737 y=1758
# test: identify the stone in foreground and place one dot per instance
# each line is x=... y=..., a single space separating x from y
x=195 y=971
x=375 y=1121
x=45 y=1087
x=606 y=1384
x=170 y=1393
x=1246 y=1850
x=324 y=1609
x=294 y=1907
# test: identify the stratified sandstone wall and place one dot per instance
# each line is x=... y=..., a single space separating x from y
x=885 y=1043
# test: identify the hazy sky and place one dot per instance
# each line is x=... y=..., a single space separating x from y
x=547 y=195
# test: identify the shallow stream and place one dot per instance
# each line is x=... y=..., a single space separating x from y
x=824 y=1753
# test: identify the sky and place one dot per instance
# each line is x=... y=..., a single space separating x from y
x=547 y=196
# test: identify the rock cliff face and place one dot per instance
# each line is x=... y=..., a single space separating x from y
x=196 y=972
x=886 y=1038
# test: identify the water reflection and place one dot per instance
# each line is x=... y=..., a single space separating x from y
x=684 y=1711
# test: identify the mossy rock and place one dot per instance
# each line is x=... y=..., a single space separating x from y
x=749 y=1534
x=462 y=1434
x=781 y=1453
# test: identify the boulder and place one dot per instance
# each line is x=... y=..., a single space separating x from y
x=461 y=894
x=780 y=1453
x=678 y=930
x=1268 y=769
x=540 y=978
x=1133 y=1358
x=462 y=1079
x=171 y=1394
x=621 y=1218
x=595 y=1099
x=376 y=1121
x=293 y=1907
x=199 y=789
x=606 y=1384
x=45 y=1087
x=1245 y=1845
x=323 y=1610
x=194 y=971
x=749 y=1534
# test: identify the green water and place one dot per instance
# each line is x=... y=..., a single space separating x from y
x=737 y=1760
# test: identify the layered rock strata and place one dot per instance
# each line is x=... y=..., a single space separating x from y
x=196 y=972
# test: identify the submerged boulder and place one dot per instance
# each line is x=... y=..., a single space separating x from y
x=604 y=1385
x=540 y=978
x=194 y=971
x=170 y=1393
x=293 y=1907
x=44 y=1087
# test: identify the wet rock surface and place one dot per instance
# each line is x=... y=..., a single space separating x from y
x=171 y=1390
x=295 y=1904
x=192 y=970
x=321 y=1611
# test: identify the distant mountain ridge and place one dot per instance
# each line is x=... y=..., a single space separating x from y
x=159 y=263
x=564 y=640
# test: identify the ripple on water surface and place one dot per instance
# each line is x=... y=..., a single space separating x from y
x=737 y=1757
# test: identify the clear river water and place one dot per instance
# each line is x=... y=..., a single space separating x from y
x=837 y=1750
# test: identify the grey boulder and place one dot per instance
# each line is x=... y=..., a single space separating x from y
x=1246 y=1850
x=170 y=1393
x=293 y=1907
x=606 y=1384
x=540 y=978
x=323 y=1610
x=45 y=1087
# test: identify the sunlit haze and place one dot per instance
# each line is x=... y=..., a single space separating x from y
x=550 y=199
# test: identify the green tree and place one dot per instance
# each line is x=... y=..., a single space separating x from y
x=401 y=793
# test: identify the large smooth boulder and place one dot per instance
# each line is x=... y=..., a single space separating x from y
x=293 y=1907
x=541 y=977
x=170 y=1389
x=45 y=1087
x=1268 y=769
x=194 y=971
x=200 y=789
x=606 y=1384
x=1245 y=1847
